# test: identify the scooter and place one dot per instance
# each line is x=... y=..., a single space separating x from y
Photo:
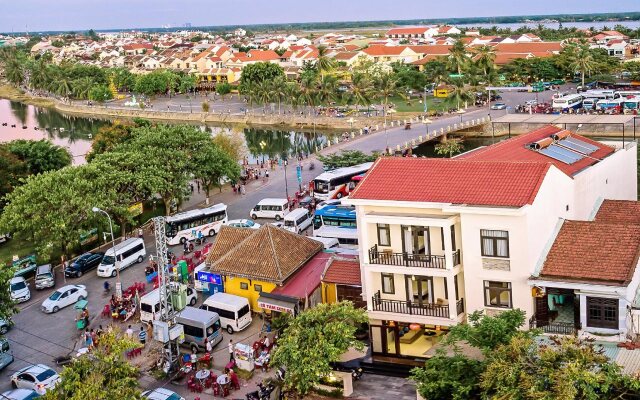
x=312 y=166
x=263 y=392
x=352 y=366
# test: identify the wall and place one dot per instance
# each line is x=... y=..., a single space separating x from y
x=232 y=286
x=329 y=293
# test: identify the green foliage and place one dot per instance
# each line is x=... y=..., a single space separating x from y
x=443 y=377
x=205 y=106
x=100 y=93
x=260 y=72
x=409 y=78
x=314 y=339
x=122 y=79
x=449 y=147
x=91 y=34
x=102 y=375
x=211 y=164
x=40 y=155
x=223 y=88
x=346 y=158
x=156 y=82
x=568 y=368
x=57 y=43
x=486 y=332
x=108 y=137
x=12 y=170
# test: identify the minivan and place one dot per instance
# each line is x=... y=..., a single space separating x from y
x=150 y=303
x=45 y=277
x=270 y=208
x=199 y=324
x=234 y=311
x=123 y=254
x=297 y=220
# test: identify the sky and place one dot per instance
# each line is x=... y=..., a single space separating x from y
x=66 y=15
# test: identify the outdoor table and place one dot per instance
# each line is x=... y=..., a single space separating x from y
x=223 y=380
x=202 y=375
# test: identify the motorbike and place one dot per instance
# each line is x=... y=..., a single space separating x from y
x=263 y=392
x=312 y=166
x=352 y=366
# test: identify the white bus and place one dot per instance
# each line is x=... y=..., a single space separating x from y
x=631 y=105
x=610 y=104
x=337 y=222
x=337 y=183
x=599 y=94
x=189 y=225
x=626 y=93
x=566 y=102
x=590 y=103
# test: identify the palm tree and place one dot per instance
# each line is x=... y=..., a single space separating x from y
x=263 y=94
x=324 y=63
x=386 y=86
x=583 y=61
x=458 y=58
x=279 y=90
x=327 y=89
x=81 y=87
x=485 y=58
x=248 y=89
x=292 y=94
x=361 y=90
x=460 y=94
x=308 y=92
x=14 y=69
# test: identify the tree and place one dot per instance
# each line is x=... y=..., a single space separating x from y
x=458 y=58
x=232 y=144
x=104 y=374
x=387 y=87
x=278 y=90
x=260 y=72
x=443 y=377
x=487 y=332
x=40 y=155
x=460 y=95
x=91 y=34
x=485 y=58
x=436 y=71
x=100 y=93
x=211 y=165
x=223 y=89
x=324 y=63
x=449 y=147
x=108 y=137
x=314 y=339
x=327 y=89
x=12 y=170
x=361 y=90
x=583 y=61
x=205 y=106
x=567 y=368
x=346 y=158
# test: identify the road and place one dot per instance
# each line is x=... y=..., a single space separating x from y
x=39 y=338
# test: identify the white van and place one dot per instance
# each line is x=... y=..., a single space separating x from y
x=327 y=243
x=234 y=311
x=297 y=220
x=150 y=303
x=270 y=208
x=123 y=254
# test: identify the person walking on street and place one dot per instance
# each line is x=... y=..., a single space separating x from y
x=242 y=190
x=231 y=350
x=140 y=233
x=142 y=336
x=88 y=340
x=208 y=346
x=129 y=332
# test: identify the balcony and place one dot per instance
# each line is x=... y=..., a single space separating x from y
x=554 y=328
x=414 y=308
x=410 y=260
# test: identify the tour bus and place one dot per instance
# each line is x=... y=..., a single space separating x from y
x=189 y=225
x=337 y=222
x=335 y=184
x=234 y=311
x=566 y=102
x=599 y=94
x=610 y=104
x=199 y=324
x=590 y=103
x=626 y=93
x=150 y=302
x=297 y=220
x=631 y=105
x=122 y=255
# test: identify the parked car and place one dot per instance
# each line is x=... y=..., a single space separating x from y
x=82 y=264
x=4 y=237
x=63 y=297
x=498 y=106
x=37 y=377
x=6 y=355
x=45 y=277
x=4 y=326
x=161 y=394
x=531 y=102
x=243 y=223
x=19 y=289
x=19 y=394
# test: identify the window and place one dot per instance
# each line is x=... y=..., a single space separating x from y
x=195 y=331
x=494 y=243
x=244 y=285
x=388 y=286
x=384 y=235
x=497 y=294
x=257 y=288
x=602 y=313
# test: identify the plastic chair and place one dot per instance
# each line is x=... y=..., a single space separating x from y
x=106 y=311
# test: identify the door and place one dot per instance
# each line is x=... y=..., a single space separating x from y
x=384 y=339
x=419 y=289
x=64 y=299
x=26 y=381
x=415 y=240
x=542 y=310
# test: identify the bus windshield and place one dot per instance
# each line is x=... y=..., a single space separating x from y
x=321 y=186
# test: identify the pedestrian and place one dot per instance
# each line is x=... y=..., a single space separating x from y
x=140 y=233
x=198 y=185
x=266 y=173
x=129 y=332
x=94 y=338
x=231 y=350
x=142 y=336
x=88 y=341
x=191 y=186
x=242 y=190
x=208 y=346
x=99 y=331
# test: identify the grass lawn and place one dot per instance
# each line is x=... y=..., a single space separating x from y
x=12 y=247
x=417 y=106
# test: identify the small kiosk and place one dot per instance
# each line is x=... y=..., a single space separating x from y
x=244 y=357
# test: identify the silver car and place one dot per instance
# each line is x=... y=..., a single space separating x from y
x=37 y=377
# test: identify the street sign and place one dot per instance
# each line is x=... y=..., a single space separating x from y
x=299 y=173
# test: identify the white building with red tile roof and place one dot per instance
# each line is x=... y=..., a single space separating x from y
x=412 y=32
x=440 y=238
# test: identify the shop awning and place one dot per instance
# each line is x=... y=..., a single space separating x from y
x=278 y=303
x=306 y=279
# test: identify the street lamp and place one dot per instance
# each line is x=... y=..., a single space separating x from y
x=115 y=259
x=460 y=112
x=262 y=146
x=427 y=122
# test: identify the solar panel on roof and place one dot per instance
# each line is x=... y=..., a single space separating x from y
x=589 y=148
x=561 y=154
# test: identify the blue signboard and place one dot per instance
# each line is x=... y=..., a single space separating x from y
x=211 y=283
x=299 y=173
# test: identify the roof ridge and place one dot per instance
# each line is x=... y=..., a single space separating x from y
x=273 y=251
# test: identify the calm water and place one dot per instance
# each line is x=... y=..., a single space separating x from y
x=554 y=25
x=76 y=133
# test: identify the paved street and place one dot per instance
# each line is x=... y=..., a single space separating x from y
x=39 y=338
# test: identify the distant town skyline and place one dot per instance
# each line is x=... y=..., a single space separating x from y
x=67 y=15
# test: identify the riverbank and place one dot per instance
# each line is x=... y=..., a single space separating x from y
x=11 y=93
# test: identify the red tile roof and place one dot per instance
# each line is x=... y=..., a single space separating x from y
x=530 y=47
x=343 y=272
x=594 y=252
x=515 y=149
x=619 y=211
x=437 y=180
x=408 y=31
x=306 y=279
x=384 y=50
x=431 y=49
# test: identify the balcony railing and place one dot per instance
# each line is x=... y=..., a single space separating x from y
x=554 y=328
x=414 y=308
x=410 y=260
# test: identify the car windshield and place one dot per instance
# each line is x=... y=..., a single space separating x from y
x=108 y=260
x=289 y=223
x=46 y=374
x=18 y=286
x=55 y=295
x=249 y=223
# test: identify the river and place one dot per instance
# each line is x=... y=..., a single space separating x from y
x=20 y=121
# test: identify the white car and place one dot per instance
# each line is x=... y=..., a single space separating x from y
x=161 y=394
x=243 y=223
x=19 y=394
x=498 y=106
x=63 y=297
x=19 y=289
x=531 y=102
x=35 y=377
